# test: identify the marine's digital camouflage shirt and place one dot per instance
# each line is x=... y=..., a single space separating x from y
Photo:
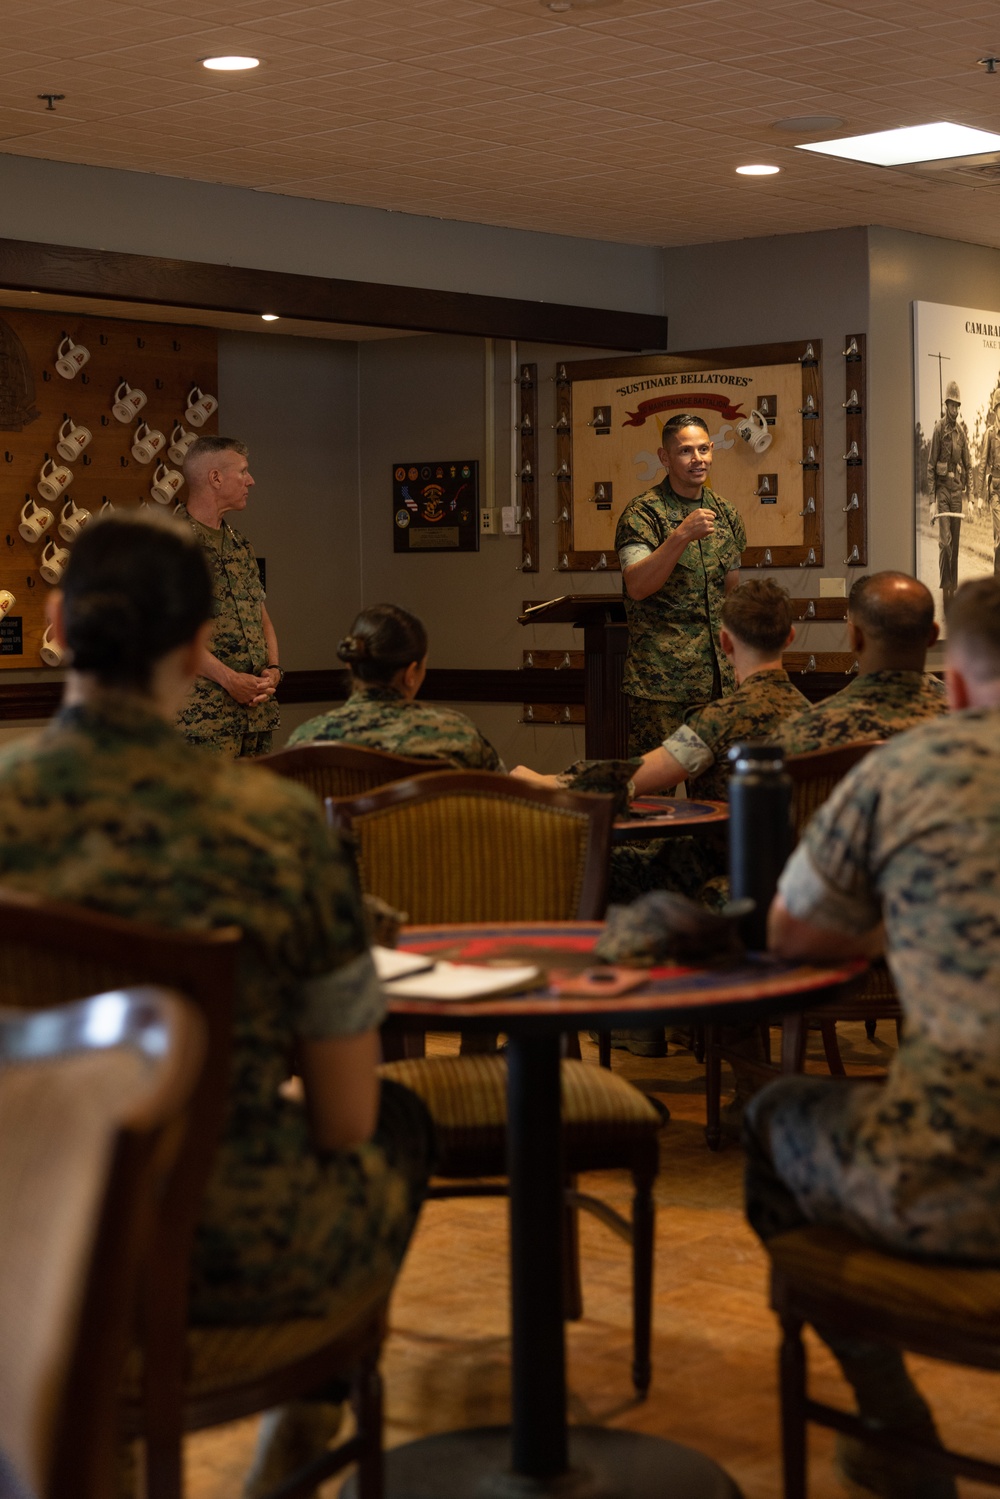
x=210 y=715
x=110 y=808
x=381 y=718
x=874 y=706
x=910 y=837
x=755 y=710
x=673 y=646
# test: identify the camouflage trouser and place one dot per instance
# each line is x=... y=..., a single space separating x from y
x=343 y=1224
x=651 y=720
x=796 y=1138
x=234 y=744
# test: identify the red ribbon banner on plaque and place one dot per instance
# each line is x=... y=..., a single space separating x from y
x=688 y=402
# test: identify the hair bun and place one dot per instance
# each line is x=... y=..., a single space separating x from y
x=352 y=648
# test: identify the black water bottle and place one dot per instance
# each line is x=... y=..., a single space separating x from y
x=760 y=831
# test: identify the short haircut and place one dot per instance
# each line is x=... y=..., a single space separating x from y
x=677 y=424
x=974 y=627
x=210 y=447
x=759 y=614
x=898 y=618
x=384 y=639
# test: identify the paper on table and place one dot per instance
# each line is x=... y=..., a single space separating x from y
x=391 y=964
x=457 y=981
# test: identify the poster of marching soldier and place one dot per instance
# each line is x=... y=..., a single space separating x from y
x=956 y=353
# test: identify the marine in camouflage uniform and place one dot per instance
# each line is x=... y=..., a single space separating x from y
x=873 y=706
x=110 y=808
x=674 y=659
x=755 y=710
x=948 y=467
x=379 y=717
x=909 y=837
x=211 y=717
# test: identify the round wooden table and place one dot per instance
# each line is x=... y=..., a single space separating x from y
x=651 y=817
x=538 y=1454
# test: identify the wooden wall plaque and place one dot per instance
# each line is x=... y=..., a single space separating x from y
x=610 y=416
x=164 y=361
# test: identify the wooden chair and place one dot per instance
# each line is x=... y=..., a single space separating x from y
x=473 y=846
x=813 y=777
x=829 y=1277
x=179 y=1378
x=92 y=1099
x=334 y=769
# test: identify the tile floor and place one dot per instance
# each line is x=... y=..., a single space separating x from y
x=714 y=1361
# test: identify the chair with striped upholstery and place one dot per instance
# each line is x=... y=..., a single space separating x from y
x=474 y=846
x=334 y=769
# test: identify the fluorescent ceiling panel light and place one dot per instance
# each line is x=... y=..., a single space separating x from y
x=230 y=64
x=894 y=148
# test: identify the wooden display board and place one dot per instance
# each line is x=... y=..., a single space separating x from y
x=162 y=360
x=610 y=416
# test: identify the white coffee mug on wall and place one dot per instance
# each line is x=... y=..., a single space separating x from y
x=53 y=480
x=54 y=560
x=70 y=358
x=166 y=485
x=73 y=520
x=200 y=406
x=754 y=430
x=147 y=443
x=72 y=440
x=128 y=402
x=51 y=652
x=180 y=441
x=35 y=520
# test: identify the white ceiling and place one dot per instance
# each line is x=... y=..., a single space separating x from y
x=615 y=119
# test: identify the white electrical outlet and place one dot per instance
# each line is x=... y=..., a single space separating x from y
x=488 y=523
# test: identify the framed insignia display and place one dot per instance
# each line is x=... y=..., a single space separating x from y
x=435 y=506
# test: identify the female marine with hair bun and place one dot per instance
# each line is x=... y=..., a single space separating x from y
x=111 y=808
x=386 y=654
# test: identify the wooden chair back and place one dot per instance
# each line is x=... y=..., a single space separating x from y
x=815 y=774
x=478 y=846
x=344 y=769
x=51 y=952
x=92 y=1101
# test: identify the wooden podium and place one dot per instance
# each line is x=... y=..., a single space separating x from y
x=601 y=616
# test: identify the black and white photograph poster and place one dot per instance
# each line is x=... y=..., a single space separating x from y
x=956 y=356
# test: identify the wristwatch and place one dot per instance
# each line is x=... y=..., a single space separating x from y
x=273 y=666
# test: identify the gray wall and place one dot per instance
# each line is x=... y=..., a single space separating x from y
x=151 y=215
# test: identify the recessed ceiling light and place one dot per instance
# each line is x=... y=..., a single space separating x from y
x=757 y=170
x=893 y=148
x=230 y=64
x=269 y=317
